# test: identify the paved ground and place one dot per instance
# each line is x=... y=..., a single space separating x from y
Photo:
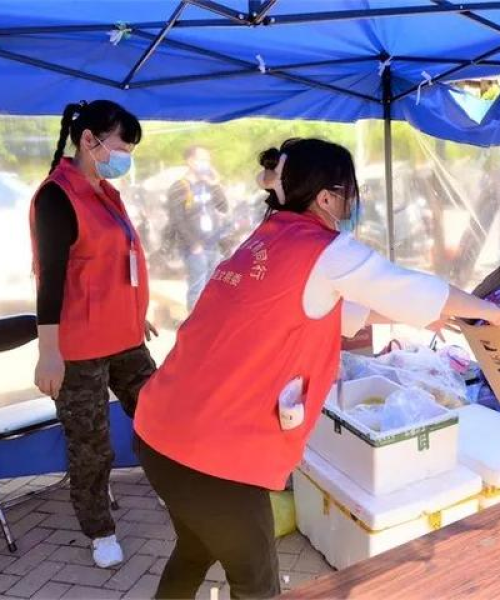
x=53 y=560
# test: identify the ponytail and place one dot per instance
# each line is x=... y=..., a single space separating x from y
x=71 y=112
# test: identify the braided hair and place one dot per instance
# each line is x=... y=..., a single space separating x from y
x=99 y=117
x=70 y=112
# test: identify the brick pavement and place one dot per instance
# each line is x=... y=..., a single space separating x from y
x=53 y=558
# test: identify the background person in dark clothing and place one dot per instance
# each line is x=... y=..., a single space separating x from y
x=196 y=206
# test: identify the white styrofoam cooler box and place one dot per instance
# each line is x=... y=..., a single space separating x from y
x=348 y=525
x=479 y=448
x=382 y=463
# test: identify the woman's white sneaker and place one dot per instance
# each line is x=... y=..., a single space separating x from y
x=107 y=552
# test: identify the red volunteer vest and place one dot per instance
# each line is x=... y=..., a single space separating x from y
x=213 y=405
x=102 y=314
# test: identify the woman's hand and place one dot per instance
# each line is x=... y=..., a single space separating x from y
x=437 y=327
x=49 y=372
x=150 y=329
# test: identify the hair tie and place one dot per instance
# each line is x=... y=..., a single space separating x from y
x=78 y=111
x=270 y=179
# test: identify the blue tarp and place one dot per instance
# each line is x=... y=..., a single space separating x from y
x=215 y=64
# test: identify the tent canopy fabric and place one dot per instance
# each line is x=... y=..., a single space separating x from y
x=335 y=60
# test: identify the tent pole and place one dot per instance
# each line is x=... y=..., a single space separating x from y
x=222 y=10
x=250 y=68
x=387 y=98
x=235 y=18
x=451 y=74
x=154 y=44
x=35 y=62
x=382 y=12
x=258 y=10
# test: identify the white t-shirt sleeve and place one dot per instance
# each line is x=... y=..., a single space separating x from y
x=354 y=318
x=361 y=275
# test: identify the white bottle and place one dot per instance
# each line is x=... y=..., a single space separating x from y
x=291 y=406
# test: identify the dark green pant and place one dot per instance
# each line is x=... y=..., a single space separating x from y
x=82 y=408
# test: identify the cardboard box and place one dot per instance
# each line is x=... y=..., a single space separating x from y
x=484 y=342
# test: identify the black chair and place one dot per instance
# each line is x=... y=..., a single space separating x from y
x=27 y=418
x=17 y=331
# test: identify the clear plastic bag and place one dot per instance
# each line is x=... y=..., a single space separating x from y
x=429 y=371
x=419 y=367
x=355 y=366
x=368 y=415
x=403 y=408
x=408 y=407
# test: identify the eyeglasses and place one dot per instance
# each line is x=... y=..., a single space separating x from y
x=351 y=200
x=130 y=147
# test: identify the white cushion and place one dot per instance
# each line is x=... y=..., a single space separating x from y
x=25 y=414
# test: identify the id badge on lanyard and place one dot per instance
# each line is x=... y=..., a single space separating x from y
x=134 y=267
x=133 y=257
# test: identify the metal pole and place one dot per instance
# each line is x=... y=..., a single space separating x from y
x=250 y=68
x=447 y=75
x=154 y=44
x=35 y=62
x=235 y=18
x=222 y=10
x=387 y=97
x=383 y=12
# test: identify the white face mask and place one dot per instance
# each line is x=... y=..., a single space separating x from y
x=202 y=167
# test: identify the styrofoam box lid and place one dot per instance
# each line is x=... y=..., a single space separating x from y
x=410 y=503
x=479 y=442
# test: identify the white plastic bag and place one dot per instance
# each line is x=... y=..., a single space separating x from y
x=416 y=367
x=407 y=408
x=428 y=371
x=404 y=408
x=368 y=415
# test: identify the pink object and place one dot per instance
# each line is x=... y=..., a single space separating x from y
x=458 y=358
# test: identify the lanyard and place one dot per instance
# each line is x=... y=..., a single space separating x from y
x=126 y=226
x=122 y=222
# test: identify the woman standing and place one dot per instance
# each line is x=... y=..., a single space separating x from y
x=91 y=303
x=210 y=436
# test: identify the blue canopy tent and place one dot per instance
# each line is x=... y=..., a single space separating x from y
x=338 y=60
x=332 y=60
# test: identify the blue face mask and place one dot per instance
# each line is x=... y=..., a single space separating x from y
x=349 y=225
x=118 y=165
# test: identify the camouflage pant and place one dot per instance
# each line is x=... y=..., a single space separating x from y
x=82 y=408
